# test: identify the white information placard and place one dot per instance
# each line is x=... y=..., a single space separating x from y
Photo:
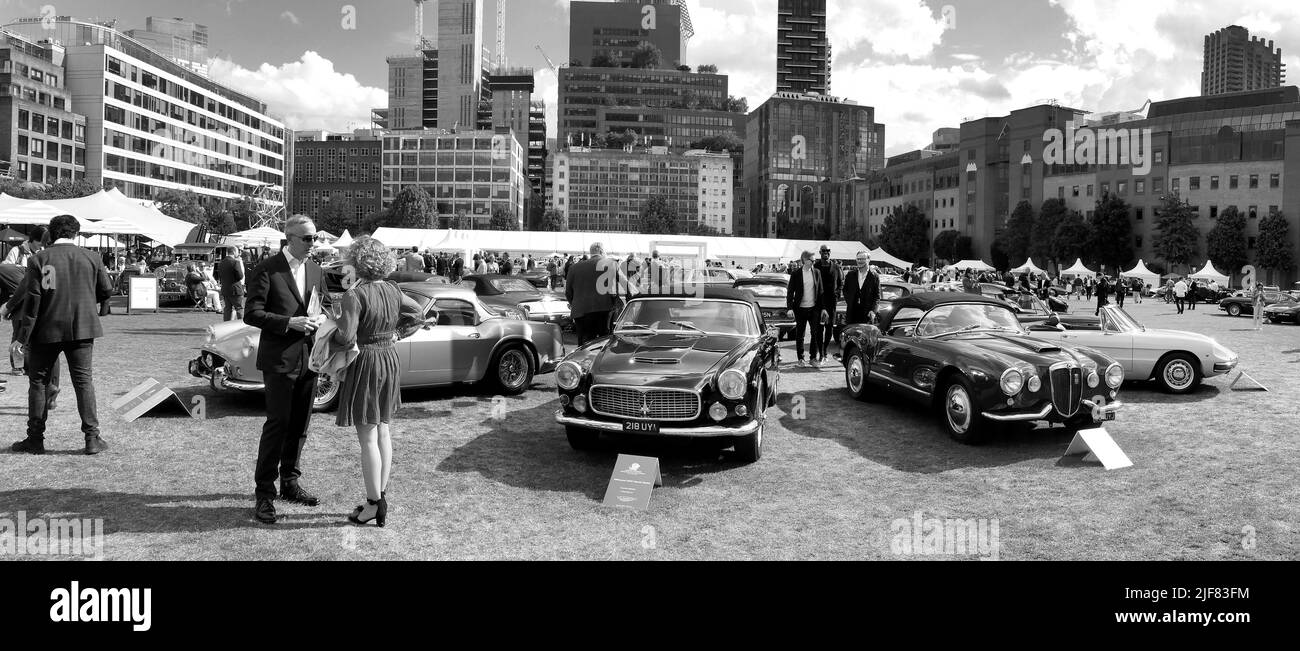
x=142 y=294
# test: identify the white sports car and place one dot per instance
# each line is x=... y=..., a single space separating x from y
x=1177 y=360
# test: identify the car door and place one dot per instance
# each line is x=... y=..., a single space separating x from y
x=424 y=354
x=1100 y=335
x=468 y=345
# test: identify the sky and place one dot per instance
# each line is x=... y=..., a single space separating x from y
x=319 y=64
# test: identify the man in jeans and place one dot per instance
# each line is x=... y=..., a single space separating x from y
x=1180 y=295
x=832 y=286
x=804 y=299
x=59 y=313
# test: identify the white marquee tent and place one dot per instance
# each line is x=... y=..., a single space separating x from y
x=1029 y=268
x=1209 y=273
x=105 y=212
x=344 y=241
x=264 y=236
x=1079 y=269
x=1146 y=275
x=971 y=265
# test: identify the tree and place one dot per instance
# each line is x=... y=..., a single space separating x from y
x=801 y=230
x=503 y=220
x=736 y=105
x=629 y=138
x=220 y=221
x=1016 y=235
x=70 y=190
x=683 y=68
x=945 y=246
x=647 y=55
x=243 y=210
x=658 y=216
x=1112 y=233
x=704 y=230
x=1177 y=241
x=1050 y=216
x=964 y=248
x=413 y=208
x=553 y=222
x=183 y=205
x=1275 y=244
x=1070 y=242
x=727 y=141
x=372 y=222
x=707 y=69
x=336 y=216
x=904 y=234
x=1226 y=242
x=605 y=61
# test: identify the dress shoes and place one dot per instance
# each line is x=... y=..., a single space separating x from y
x=298 y=495
x=95 y=445
x=29 y=445
x=265 y=510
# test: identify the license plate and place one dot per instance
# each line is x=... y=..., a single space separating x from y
x=1110 y=416
x=640 y=427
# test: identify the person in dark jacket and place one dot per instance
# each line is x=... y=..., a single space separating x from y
x=1103 y=292
x=590 y=306
x=862 y=291
x=230 y=275
x=804 y=298
x=832 y=286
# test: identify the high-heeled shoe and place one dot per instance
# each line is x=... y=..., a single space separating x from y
x=355 y=518
x=381 y=516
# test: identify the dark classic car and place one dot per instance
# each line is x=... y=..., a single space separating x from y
x=695 y=367
x=1202 y=294
x=1239 y=305
x=769 y=293
x=337 y=277
x=972 y=360
x=461 y=341
x=515 y=297
x=1283 y=311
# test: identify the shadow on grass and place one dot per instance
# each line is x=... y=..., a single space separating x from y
x=134 y=513
x=527 y=449
x=185 y=332
x=1150 y=393
x=908 y=437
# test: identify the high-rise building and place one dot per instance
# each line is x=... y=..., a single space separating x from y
x=468 y=173
x=803 y=47
x=803 y=153
x=537 y=145
x=664 y=107
x=444 y=86
x=41 y=139
x=615 y=30
x=180 y=40
x=1235 y=61
x=152 y=123
x=604 y=190
x=514 y=108
x=331 y=168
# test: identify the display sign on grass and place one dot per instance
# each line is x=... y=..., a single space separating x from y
x=148 y=395
x=633 y=480
x=142 y=294
x=1097 y=445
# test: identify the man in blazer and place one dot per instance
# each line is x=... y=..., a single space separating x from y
x=805 y=298
x=862 y=291
x=832 y=288
x=59 y=313
x=280 y=292
x=230 y=275
x=590 y=299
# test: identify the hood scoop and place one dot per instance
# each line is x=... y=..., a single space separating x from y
x=656 y=360
x=1035 y=346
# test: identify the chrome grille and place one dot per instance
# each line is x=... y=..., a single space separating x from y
x=645 y=404
x=1067 y=388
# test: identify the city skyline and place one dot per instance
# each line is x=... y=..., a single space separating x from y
x=919 y=72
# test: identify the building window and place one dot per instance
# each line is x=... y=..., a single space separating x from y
x=1176 y=185
x=1105 y=189
x=1123 y=188
x=1250 y=242
x=1090 y=189
x=1074 y=191
x=1254 y=181
x=1275 y=181
x=1137 y=241
x=1214 y=212
x=1194 y=183
x=1140 y=213
x=1232 y=182
x=1253 y=211
x=1060 y=192
x=1158 y=185
x=1159 y=156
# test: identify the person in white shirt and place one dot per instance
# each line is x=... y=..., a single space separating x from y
x=1180 y=294
x=21 y=253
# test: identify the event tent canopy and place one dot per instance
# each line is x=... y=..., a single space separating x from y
x=1210 y=273
x=1079 y=269
x=108 y=212
x=971 y=265
x=1141 y=271
x=1029 y=268
x=264 y=236
x=345 y=240
x=880 y=256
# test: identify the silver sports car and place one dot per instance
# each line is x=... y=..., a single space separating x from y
x=462 y=340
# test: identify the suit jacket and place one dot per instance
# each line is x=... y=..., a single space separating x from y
x=230 y=275
x=794 y=293
x=458 y=268
x=583 y=291
x=272 y=300
x=59 y=298
x=861 y=301
x=832 y=280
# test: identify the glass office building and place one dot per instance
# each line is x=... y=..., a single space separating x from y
x=464 y=173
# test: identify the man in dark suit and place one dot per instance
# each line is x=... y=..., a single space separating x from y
x=59 y=313
x=230 y=275
x=591 y=299
x=832 y=286
x=804 y=298
x=457 y=268
x=1103 y=291
x=280 y=295
x=862 y=291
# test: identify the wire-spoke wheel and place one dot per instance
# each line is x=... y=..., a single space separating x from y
x=514 y=370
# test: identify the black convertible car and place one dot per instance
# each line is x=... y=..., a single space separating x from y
x=971 y=359
x=515 y=297
x=694 y=367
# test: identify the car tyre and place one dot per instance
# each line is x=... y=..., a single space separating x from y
x=958 y=413
x=855 y=375
x=581 y=439
x=326 y=398
x=1178 y=373
x=749 y=449
x=1234 y=310
x=512 y=370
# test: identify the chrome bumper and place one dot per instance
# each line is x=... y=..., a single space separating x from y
x=218 y=379
x=1225 y=367
x=1046 y=411
x=686 y=432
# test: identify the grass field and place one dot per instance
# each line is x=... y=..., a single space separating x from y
x=467 y=486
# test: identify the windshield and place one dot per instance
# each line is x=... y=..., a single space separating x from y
x=1029 y=303
x=1118 y=320
x=765 y=290
x=688 y=315
x=891 y=292
x=514 y=285
x=967 y=317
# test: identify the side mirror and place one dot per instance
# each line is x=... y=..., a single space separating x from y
x=1054 y=321
x=430 y=322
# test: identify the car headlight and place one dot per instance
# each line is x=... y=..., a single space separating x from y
x=1034 y=383
x=248 y=347
x=1012 y=382
x=731 y=384
x=1114 y=376
x=211 y=337
x=568 y=375
x=1093 y=380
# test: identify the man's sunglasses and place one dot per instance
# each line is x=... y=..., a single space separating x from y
x=307 y=238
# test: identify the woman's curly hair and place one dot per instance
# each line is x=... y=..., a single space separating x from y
x=372 y=260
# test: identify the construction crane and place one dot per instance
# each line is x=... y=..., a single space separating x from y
x=548 y=60
x=420 y=42
x=501 y=34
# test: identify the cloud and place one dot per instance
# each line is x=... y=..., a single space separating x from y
x=291 y=17
x=306 y=94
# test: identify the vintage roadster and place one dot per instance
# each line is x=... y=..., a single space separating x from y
x=675 y=366
x=461 y=341
x=971 y=359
